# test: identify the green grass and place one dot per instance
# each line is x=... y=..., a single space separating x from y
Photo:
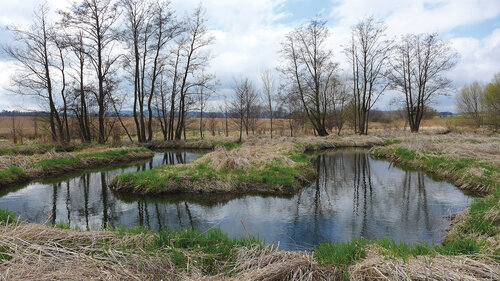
x=12 y=174
x=7 y=216
x=77 y=159
x=347 y=253
x=214 y=247
x=167 y=178
x=213 y=251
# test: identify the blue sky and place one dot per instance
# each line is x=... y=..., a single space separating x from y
x=248 y=34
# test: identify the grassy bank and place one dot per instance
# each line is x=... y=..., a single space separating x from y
x=194 y=144
x=31 y=251
x=31 y=149
x=21 y=168
x=481 y=221
x=264 y=169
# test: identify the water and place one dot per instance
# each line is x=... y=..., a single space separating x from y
x=354 y=196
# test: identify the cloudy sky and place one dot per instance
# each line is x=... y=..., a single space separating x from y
x=248 y=34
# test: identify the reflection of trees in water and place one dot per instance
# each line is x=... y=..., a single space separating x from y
x=172 y=158
x=345 y=177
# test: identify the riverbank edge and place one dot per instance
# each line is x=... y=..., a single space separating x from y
x=480 y=221
x=71 y=162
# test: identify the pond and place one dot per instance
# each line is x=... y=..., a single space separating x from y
x=354 y=196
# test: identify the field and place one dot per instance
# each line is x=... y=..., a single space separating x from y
x=29 y=127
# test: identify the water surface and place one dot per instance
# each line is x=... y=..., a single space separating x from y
x=354 y=196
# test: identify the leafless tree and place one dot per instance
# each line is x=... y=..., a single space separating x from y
x=307 y=65
x=96 y=19
x=270 y=94
x=244 y=92
x=417 y=71
x=192 y=60
x=34 y=53
x=340 y=99
x=470 y=101
x=203 y=92
x=368 y=53
x=150 y=27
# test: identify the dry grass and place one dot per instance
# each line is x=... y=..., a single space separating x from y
x=256 y=154
x=37 y=252
x=376 y=267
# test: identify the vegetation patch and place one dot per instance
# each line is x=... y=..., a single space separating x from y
x=7 y=217
x=194 y=144
x=31 y=149
x=223 y=171
x=54 y=164
x=467 y=173
x=11 y=175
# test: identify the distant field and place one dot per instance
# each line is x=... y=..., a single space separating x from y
x=29 y=126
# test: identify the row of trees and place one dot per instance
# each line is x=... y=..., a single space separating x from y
x=84 y=63
x=414 y=65
x=481 y=102
x=98 y=52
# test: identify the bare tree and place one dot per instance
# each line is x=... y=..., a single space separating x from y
x=80 y=91
x=307 y=65
x=368 y=54
x=340 y=100
x=150 y=27
x=244 y=91
x=470 y=101
x=96 y=20
x=203 y=92
x=417 y=71
x=34 y=52
x=196 y=38
x=270 y=94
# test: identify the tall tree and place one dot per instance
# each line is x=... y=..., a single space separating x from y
x=34 y=52
x=243 y=89
x=150 y=27
x=307 y=64
x=368 y=53
x=96 y=19
x=417 y=71
x=193 y=59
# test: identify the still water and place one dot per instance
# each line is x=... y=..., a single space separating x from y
x=354 y=196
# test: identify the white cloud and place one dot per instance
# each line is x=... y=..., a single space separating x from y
x=249 y=33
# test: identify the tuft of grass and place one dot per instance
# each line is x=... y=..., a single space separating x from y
x=344 y=254
x=229 y=145
x=459 y=247
x=12 y=174
x=7 y=216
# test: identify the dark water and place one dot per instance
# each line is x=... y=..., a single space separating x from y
x=355 y=196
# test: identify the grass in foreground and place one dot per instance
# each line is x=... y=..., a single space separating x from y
x=7 y=216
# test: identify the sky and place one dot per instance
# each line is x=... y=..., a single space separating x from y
x=248 y=35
